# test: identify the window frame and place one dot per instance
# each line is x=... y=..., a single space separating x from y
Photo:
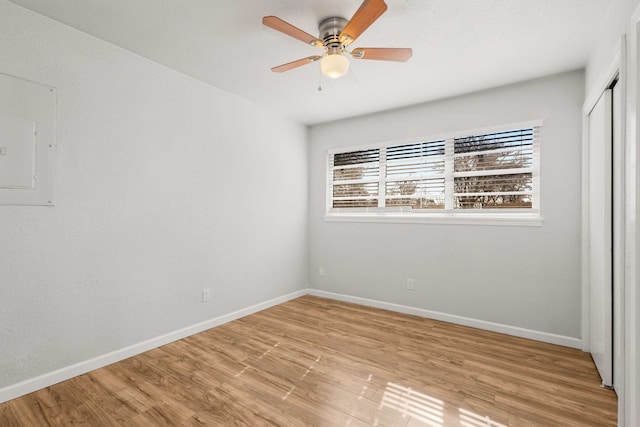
x=500 y=216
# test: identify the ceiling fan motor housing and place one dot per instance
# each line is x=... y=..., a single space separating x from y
x=330 y=29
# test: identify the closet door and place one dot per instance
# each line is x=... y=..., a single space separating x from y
x=600 y=237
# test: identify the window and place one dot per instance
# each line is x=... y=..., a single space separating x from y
x=484 y=174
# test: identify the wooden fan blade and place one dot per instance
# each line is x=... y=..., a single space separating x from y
x=295 y=64
x=400 y=54
x=369 y=11
x=290 y=30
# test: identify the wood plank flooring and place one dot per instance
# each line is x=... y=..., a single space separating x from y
x=319 y=362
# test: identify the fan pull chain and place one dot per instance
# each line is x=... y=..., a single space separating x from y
x=353 y=73
x=319 y=80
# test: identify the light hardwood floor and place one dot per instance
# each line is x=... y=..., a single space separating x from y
x=319 y=362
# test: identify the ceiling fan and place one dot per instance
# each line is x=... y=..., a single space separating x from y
x=335 y=35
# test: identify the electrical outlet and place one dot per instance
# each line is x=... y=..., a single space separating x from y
x=410 y=284
x=206 y=295
x=321 y=271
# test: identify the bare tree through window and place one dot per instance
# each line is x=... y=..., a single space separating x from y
x=507 y=153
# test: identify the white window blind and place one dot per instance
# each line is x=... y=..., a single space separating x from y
x=355 y=179
x=481 y=172
x=494 y=170
x=415 y=175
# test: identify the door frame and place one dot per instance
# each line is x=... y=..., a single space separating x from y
x=615 y=72
x=629 y=412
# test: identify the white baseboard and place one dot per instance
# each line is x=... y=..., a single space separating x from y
x=459 y=320
x=20 y=389
x=25 y=387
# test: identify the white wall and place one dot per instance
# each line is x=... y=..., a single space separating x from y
x=164 y=186
x=525 y=277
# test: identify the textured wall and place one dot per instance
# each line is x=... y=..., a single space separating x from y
x=164 y=186
x=527 y=277
x=614 y=27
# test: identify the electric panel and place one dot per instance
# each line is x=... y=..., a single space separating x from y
x=27 y=142
x=17 y=153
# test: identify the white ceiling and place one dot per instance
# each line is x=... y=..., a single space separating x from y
x=459 y=46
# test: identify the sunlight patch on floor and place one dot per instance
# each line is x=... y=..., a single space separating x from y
x=289 y=392
x=261 y=356
x=310 y=368
x=242 y=371
x=414 y=404
x=269 y=351
x=364 y=387
x=471 y=419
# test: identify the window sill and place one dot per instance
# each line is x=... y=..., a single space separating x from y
x=528 y=220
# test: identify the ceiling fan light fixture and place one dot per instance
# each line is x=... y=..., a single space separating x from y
x=334 y=65
x=335 y=34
